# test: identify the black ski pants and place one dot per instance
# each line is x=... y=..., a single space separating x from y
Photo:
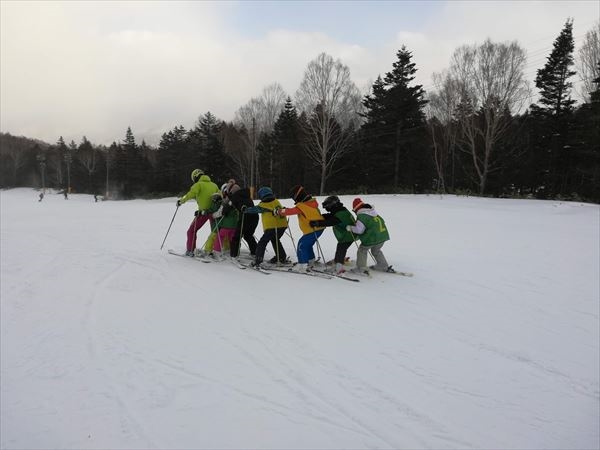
x=247 y=232
x=272 y=235
x=340 y=251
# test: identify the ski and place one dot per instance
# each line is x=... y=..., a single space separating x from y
x=250 y=266
x=404 y=274
x=309 y=273
x=260 y=270
x=237 y=263
x=337 y=275
x=393 y=272
x=183 y=255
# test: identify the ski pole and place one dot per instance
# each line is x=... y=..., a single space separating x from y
x=319 y=249
x=240 y=235
x=356 y=243
x=163 y=242
x=210 y=234
x=195 y=231
x=289 y=230
x=218 y=222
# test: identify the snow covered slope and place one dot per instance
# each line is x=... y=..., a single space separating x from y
x=108 y=342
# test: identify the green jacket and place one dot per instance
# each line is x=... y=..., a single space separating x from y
x=339 y=230
x=228 y=220
x=375 y=231
x=201 y=191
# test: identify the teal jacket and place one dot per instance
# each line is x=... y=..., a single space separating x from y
x=201 y=191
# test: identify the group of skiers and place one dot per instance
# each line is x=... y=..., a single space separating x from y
x=233 y=215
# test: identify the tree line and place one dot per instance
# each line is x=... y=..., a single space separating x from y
x=475 y=131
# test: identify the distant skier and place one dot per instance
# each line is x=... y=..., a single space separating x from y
x=201 y=191
x=372 y=232
x=96 y=198
x=41 y=197
x=65 y=194
x=307 y=209
x=339 y=218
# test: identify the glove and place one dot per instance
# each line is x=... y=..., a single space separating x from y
x=349 y=228
x=278 y=211
x=196 y=213
x=314 y=223
x=178 y=202
x=218 y=213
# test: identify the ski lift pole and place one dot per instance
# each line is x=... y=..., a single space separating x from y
x=163 y=242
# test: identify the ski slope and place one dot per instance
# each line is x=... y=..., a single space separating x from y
x=108 y=342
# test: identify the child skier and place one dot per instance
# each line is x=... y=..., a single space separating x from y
x=240 y=199
x=273 y=225
x=370 y=229
x=225 y=225
x=307 y=209
x=339 y=218
x=201 y=190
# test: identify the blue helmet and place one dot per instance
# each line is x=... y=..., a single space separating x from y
x=264 y=192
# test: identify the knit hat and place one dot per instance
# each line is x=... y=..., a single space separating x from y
x=299 y=194
x=265 y=192
x=357 y=203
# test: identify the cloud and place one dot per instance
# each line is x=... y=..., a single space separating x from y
x=95 y=68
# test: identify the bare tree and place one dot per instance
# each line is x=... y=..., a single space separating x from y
x=256 y=117
x=248 y=119
x=440 y=110
x=492 y=86
x=331 y=100
x=236 y=145
x=587 y=64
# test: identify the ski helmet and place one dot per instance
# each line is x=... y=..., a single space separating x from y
x=331 y=202
x=196 y=174
x=216 y=197
x=225 y=188
x=299 y=194
x=265 y=192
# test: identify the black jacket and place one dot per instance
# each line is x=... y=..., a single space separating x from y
x=329 y=217
x=238 y=199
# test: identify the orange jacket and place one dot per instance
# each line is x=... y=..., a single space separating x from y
x=306 y=211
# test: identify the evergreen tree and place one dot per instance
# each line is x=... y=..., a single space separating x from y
x=171 y=174
x=288 y=158
x=553 y=79
x=555 y=114
x=87 y=156
x=215 y=162
x=132 y=169
x=395 y=126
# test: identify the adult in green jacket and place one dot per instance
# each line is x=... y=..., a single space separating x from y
x=201 y=191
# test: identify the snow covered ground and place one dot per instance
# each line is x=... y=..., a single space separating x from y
x=108 y=342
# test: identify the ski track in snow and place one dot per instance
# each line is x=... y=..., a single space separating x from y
x=109 y=343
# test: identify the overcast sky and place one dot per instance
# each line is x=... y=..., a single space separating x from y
x=94 y=68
